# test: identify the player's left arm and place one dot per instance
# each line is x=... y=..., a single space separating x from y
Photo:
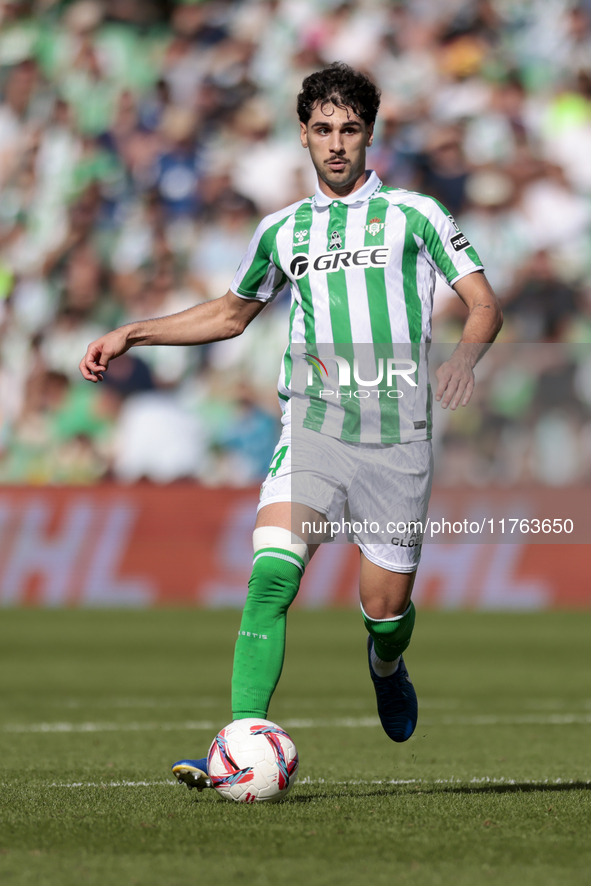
x=455 y=377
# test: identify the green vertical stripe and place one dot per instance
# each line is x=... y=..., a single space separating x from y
x=340 y=321
x=303 y=226
x=316 y=411
x=381 y=331
x=470 y=251
x=433 y=243
x=259 y=266
x=414 y=308
x=375 y=278
x=429 y=412
x=473 y=255
x=287 y=359
x=415 y=222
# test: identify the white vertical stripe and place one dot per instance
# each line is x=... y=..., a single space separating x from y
x=318 y=279
x=357 y=294
x=396 y=227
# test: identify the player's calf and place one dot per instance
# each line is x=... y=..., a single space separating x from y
x=278 y=566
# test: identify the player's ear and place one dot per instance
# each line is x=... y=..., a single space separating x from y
x=369 y=135
x=303 y=134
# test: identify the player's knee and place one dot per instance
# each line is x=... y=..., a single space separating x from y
x=279 y=563
x=392 y=632
x=278 y=538
x=274 y=583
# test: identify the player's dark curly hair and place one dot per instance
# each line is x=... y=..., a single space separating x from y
x=344 y=87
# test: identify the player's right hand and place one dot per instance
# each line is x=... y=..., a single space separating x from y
x=100 y=352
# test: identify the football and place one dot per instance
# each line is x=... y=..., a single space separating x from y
x=252 y=760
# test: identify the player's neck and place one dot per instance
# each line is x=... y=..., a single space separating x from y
x=345 y=190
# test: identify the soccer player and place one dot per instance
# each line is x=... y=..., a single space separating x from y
x=361 y=261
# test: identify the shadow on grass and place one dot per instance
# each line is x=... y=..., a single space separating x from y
x=525 y=788
x=411 y=790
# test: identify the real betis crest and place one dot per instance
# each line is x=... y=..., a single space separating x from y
x=374 y=226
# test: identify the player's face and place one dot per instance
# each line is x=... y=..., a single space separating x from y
x=337 y=139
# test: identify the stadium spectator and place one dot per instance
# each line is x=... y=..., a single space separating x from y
x=140 y=143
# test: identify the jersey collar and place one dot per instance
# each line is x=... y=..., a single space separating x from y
x=362 y=194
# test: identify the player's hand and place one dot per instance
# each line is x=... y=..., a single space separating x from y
x=455 y=381
x=100 y=352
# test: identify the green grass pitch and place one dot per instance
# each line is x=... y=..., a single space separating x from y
x=494 y=788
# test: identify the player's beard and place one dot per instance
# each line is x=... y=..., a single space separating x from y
x=342 y=179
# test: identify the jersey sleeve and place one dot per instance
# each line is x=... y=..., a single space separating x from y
x=259 y=276
x=450 y=252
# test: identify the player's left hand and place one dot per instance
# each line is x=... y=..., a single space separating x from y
x=455 y=381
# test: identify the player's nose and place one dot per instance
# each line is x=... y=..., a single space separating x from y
x=336 y=143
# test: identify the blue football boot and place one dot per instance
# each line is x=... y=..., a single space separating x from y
x=397 y=700
x=193 y=773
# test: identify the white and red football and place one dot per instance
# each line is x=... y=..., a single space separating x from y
x=252 y=760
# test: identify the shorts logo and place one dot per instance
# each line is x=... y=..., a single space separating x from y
x=459 y=242
x=329 y=262
x=335 y=241
x=374 y=226
x=301 y=236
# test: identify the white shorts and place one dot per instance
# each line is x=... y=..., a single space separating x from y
x=373 y=494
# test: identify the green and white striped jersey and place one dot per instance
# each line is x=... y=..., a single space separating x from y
x=362 y=273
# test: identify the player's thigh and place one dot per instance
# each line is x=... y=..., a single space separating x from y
x=391 y=490
x=384 y=593
x=302 y=491
x=388 y=503
x=299 y=519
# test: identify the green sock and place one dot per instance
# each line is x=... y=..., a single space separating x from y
x=260 y=647
x=391 y=636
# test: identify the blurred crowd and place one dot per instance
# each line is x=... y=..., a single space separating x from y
x=141 y=142
x=529 y=421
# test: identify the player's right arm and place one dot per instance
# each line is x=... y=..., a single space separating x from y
x=215 y=320
x=257 y=281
